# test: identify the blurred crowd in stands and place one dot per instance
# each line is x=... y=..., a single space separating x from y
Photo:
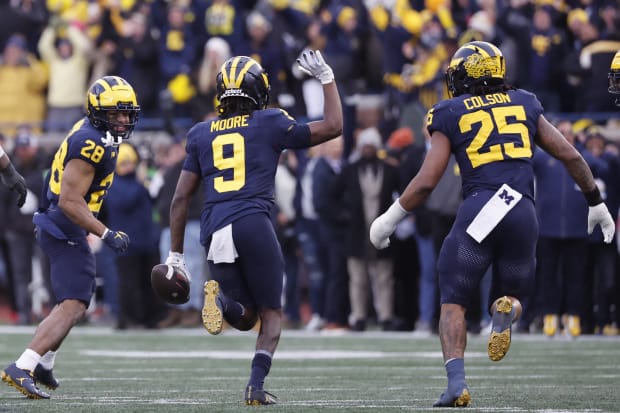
x=389 y=59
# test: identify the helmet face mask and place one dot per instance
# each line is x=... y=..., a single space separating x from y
x=243 y=77
x=614 y=77
x=475 y=64
x=107 y=97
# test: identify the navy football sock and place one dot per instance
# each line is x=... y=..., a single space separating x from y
x=261 y=364
x=456 y=375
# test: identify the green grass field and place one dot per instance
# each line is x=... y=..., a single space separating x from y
x=180 y=370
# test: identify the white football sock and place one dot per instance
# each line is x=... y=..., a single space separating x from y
x=28 y=360
x=48 y=359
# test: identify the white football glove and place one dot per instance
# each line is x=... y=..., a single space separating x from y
x=313 y=64
x=384 y=225
x=177 y=260
x=599 y=214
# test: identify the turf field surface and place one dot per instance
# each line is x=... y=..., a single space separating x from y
x=187 y=370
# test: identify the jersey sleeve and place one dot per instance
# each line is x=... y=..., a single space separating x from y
x=291 y=134
x=191 y=162
x=436 y=119
x=534 y=107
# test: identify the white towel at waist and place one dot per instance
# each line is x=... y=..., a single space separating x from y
x=222 y=248
x=493 y=212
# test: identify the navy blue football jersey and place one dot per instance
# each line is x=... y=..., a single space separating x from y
x=236 y=158
x=82 y=142
x=492 y=138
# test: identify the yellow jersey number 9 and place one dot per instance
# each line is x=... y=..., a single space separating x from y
x=236 y=162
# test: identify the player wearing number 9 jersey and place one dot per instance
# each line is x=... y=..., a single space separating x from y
x=492 y=129
x=81 y=173
x=234 y=158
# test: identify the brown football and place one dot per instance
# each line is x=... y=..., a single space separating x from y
x=170 y=284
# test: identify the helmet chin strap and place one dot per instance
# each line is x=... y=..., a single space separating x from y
x=111 y=140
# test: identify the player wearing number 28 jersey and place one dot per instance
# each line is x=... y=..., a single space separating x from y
x=492 y=129
x=234 y=158
x=77 y=183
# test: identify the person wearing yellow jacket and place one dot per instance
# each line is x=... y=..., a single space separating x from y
x=65 y=48
x=23 y=80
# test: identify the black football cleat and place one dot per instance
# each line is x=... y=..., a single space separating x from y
x=458 y=399
x=499 y=340
x=45 y=377
x=212 y=313
x=258 y=397
x=22 y=380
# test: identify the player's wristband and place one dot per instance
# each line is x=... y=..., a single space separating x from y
x=105 y=232
x=593 y=197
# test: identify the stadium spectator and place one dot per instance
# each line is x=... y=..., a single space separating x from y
x=12 y=180
x=490 y=182
x=137 y=61
x=285 y=218
x=23 y=79
x=237 y=169
x=80 y=174
x=541 y=48
x=345 y=28
x=308 y=237
x=441 y=206
x=216 y=52
x=188 y=314
x=261 y=44
x=225 y=19
x=368 y=184
x=412 y=272
x=129 y=206
x=66 y=50
x=599 y=315
x=177 y=57
x=329 y=204
x=590 y=65
x=28 y=17
x=562 y=239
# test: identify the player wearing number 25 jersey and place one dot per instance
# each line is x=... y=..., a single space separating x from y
x=491 y=128
x=234 y=159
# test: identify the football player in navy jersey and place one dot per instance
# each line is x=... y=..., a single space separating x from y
x=234 y=158
x=81 y=173
x=492 y=129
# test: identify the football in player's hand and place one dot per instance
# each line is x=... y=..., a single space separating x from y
x=170 y=284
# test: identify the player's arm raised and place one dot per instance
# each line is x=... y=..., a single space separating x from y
x=330 y=126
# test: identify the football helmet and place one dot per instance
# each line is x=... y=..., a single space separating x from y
x=614 y=77
x=475 y=64
x=242 y=76
x=112 y=93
